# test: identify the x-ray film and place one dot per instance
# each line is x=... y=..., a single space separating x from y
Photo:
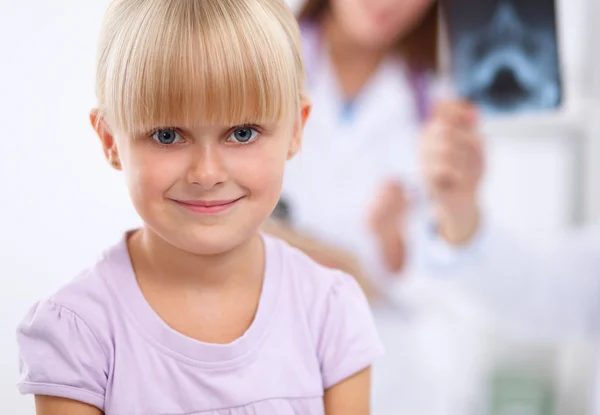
x=504 y=53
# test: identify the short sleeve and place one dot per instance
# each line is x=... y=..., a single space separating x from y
x=348 y=340
x=60 y=356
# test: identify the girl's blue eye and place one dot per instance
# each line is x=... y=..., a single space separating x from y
x=244 y=135
x=166 y=136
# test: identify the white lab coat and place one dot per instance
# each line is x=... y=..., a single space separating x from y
x=333 y=180
x=329 y=187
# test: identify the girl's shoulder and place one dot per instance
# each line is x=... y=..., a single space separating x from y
x=303 y=273
x=66 y=340
x=335 y=310
x=83 y=309
x=322 y=292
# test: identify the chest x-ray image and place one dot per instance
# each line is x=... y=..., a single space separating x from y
x=504 y=53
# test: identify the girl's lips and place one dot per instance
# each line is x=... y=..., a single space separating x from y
x=207 y=207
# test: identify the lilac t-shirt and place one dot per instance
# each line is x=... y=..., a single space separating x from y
x=98 y=341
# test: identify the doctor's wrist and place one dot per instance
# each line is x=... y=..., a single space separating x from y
x=459 y=228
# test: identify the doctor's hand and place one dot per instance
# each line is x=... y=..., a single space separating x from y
x=452 y=160
x=385 y=221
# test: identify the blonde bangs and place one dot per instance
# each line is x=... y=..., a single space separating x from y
x=184 y=62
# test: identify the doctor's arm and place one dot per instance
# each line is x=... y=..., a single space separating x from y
x=549 y=288
x=324 y=254
x=451 y=152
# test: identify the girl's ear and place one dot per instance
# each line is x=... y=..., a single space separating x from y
x=106 y=138
x=296 y=142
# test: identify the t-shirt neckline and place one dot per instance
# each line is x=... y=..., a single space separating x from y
x=122 y=279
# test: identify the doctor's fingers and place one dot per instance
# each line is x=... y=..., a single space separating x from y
x=457 y=112
x=442 y=177
x=390 y=197
x=393 y=189
x=463 y=159
x=454 y=143
x=463 y=156
x=440 y=130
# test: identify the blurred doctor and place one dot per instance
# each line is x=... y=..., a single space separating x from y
x=371 y=68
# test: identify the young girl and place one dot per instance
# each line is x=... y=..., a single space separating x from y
x=200 y=103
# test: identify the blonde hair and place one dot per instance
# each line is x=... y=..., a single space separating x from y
x=171 y=62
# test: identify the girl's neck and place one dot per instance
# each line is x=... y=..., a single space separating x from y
x=353 y=63
x=161 y=263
